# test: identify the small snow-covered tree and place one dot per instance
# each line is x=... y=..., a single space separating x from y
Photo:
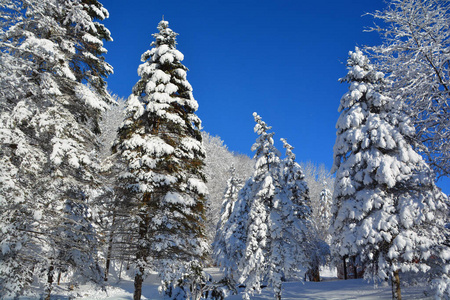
x=234 y=185
x=276 y=200
x=77 y=245
x=387 y=210
x=326 y=198
x=229 y=252
x=52 y=93
x=161 y=144
x=296 y=189
x=295 y=185
x=415 y=54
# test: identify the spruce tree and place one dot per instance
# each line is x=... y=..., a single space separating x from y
x=323 y=222
x=229 y=253
x=295 y=184
x=255 y=261
x=312 y=250
x=161 y=144
x=275 y=199
x=325 y=200
x=387 y=210
x=221 y=245
x=52 y=93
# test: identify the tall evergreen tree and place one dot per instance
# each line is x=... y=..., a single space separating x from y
x=52 y=93
x=161 y=144
x=256 y=259
x=387 y=209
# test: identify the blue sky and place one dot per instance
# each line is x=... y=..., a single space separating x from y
x=281 y=59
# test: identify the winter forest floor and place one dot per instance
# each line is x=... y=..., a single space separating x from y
x=330 y=288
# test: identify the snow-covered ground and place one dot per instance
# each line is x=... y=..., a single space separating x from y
x=329 y=289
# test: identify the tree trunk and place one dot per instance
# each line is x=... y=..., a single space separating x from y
x=278 y=296
x=110 y=245
x=314 y=274
x=59 y=277
x=396 y=290
x=49 y=282
x=142 y=251
x=355 y=268
x=345 y=267
x=138 y=279
x=121 y=265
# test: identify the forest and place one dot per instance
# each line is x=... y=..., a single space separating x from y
x=95 y=187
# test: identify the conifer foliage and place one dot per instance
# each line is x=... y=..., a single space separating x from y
x=161 y=144
x=295 y=188
x=257 y=257
x=231 y=237
x=266 y=235
x=387 y=209
x=52 y=91
x=220 y=247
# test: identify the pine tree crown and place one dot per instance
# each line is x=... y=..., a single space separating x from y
x=165 y=36
x=360 y=69
x=289 y=154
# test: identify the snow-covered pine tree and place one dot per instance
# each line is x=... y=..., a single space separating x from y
x=273 y=229
x=326 y=198
x=386 y=207
x=312 y=250
x=220 y=245
x=52 y=90
x=235 y=234
x=295 y=184
x=20 y=248
x=256 y=260
x=161 y=144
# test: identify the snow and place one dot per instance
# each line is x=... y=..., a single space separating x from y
x=102 y=13
x=198 y=185
x=176 y=198
x=160 y=76
x=92 y=39
x=329 y=289
x=180 y=73
x=160 y=97
x=49 y=86
x=166 y=58
x=85 y=94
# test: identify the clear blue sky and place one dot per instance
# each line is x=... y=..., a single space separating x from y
x=280 y=58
